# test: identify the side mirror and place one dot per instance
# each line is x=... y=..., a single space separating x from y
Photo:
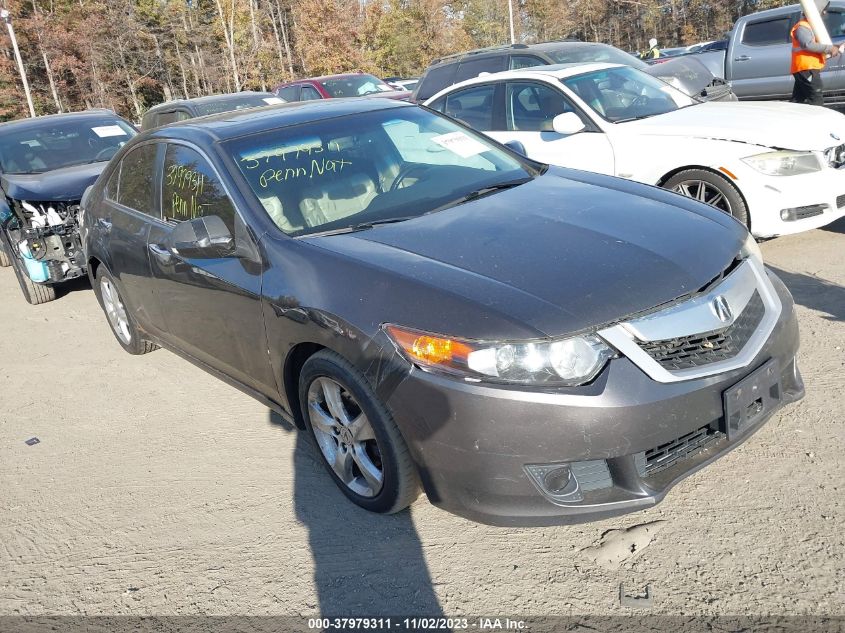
x=203 y=238
x=516 y=146
x=568 y=123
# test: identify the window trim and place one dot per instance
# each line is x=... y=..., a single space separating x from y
x=159 y=157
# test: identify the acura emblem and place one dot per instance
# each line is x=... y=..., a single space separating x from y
x=722 y=309
x=835 y=137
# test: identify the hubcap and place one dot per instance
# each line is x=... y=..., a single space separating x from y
x=115 y=311
x=345 y=437
x=704 y=192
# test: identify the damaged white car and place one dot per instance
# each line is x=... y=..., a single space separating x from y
x=778 y=168
x=46 y=163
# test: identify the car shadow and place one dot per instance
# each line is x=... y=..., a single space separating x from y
x=836 y=227
x=815 y=292
x=74 y=285
x=364 y=564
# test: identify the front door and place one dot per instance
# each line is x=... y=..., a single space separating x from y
x=212 y=307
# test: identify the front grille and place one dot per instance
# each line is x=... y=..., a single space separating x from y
x=840 y=201
x=667 y=455
x=710 y=347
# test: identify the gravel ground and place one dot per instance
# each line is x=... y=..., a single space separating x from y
x=157 y=490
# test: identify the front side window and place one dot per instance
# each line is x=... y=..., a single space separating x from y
x=191 y=189
x=56 y=143
x=309 y=93
x=137 y=179
x=625 y=94
x=349 y=172
x=472 y=106
x=767 y=32
x=531 y=107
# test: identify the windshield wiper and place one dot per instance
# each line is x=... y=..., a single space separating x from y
x=483 y=191
x=363 y=226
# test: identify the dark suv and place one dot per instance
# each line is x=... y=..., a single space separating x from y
x=691 y=77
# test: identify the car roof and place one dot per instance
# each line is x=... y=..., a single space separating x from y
x=228 y=125
x=21 y=124
x=325 y=78
x=509 y=49
x=209 y=99
x=554 y=71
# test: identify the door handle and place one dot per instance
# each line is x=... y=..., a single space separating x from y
x=742 y=58
x=161 y=253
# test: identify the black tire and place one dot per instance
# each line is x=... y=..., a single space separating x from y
x=400 y=486
x=5 y=262
x=735 y=206
x=34 y=293
x=136 y=344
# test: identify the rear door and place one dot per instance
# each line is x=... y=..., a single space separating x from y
x=760 y=57
x=132 y=204
x=212 y=307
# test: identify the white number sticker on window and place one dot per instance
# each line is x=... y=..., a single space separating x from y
x=104 y=131
x=460 y=144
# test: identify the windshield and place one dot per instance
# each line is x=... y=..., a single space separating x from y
x=236 y=103
x=381 y=166
x=625 y=94
x=355 y=86
x=585 y=54
x=56 y=144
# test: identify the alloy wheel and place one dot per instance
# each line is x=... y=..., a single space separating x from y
x=115 y=311
x=704 y=192
x=345 y=437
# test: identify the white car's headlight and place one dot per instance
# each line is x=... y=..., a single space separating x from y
x=568 y=361
x=784 y=163
x=751 y=250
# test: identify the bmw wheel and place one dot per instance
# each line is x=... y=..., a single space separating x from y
x=712 y=189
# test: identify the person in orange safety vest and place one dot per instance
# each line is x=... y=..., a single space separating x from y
x=808 y=60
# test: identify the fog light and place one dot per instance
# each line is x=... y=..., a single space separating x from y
x=556 y=481
x=559 y=481
x=802 y=213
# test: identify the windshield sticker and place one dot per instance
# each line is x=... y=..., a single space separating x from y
x=272 y=100
x=460 y=144
x=104 y=131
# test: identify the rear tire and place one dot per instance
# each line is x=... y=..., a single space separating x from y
x=120 y=320
x=359 y=433
x=710 y=188
x=34 y=293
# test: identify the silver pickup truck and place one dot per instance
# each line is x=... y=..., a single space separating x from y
x=759 y=52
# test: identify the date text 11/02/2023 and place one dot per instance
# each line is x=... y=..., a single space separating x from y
x=417 y=624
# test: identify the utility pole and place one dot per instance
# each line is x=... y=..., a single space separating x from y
x=510 y=15
x=7 y=18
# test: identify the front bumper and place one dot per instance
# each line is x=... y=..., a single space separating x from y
x=768 y=196
x=473 y=442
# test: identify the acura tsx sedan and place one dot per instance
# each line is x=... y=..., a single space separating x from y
x=527 y=344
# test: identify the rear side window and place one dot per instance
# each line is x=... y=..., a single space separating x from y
x=289 y=93
x=472 y=106
x=435 y=80
x=767 y=32
x=525 y=61
x=471 y=68
x=190 y=188
x=310 y=94
x=137 y=175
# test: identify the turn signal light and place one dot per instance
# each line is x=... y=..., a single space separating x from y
x=428 y=349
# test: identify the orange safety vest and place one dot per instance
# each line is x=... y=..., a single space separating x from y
x=801 y=59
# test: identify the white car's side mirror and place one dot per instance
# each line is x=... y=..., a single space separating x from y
x=568 y=123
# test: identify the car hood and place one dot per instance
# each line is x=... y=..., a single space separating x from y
x=67 y=184
x=777 y=125
x=560 y=255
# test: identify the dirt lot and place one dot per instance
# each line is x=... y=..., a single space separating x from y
x=156 y=489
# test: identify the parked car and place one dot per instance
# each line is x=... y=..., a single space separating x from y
x=448 y=71
x=183 y=109
x=46 y=163
x=776 y=167
x=339 y=86
x=759 y=53
x=437 y=310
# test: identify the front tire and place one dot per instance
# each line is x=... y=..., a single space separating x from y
x=122 y=324
x=5 y=262
x=712 y=189
x=360 y=444
x=34 y=293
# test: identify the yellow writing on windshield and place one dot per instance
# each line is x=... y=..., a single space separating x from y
x=318 y=167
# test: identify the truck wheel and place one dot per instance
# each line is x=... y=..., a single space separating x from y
x=712 y=189
x=122 y=325
x=34 y=293
x=361 y=446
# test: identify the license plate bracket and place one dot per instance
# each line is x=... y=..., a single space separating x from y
x=752 y=399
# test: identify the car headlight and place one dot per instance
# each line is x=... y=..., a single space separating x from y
x=751 y=250
x=784 y=163
x=567 y=361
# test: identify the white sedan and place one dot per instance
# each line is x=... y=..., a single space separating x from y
x=779 y=168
